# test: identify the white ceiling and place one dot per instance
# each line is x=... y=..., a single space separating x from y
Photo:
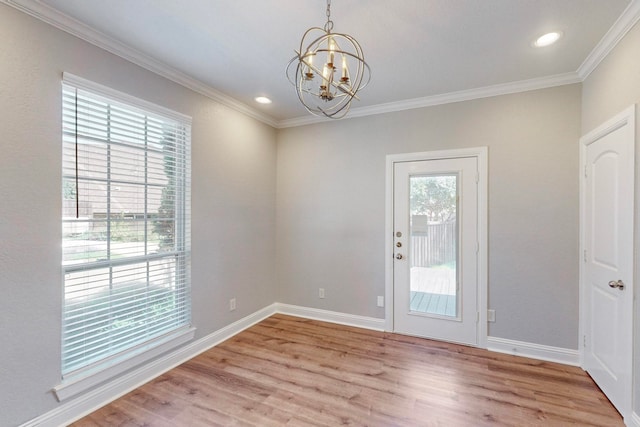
x=420 y=52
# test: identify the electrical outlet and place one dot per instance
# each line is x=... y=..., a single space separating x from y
x=380 y=301
x=491 y=315
x=232 y=304
x=320 y=292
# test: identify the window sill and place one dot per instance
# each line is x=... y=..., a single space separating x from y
x=79 y=382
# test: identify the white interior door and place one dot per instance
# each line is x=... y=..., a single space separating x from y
x=607 y=271
x=435 y=269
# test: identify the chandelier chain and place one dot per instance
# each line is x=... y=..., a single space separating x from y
x=329 y=25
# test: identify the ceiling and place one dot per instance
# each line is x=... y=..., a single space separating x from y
x=421 y=52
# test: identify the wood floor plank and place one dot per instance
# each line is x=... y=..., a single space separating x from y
x=287 y=371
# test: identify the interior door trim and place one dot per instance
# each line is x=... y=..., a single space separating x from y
x=481 y=154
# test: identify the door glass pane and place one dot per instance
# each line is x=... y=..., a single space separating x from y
x=433 y=248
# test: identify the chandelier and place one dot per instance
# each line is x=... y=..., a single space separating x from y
x=328 y=70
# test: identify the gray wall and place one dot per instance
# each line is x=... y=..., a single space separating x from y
x=331 y=207
x=328 y=192
x=612 y=87
x=233 y=208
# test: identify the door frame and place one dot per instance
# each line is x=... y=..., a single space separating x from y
x=624 y=118
x=481 y=155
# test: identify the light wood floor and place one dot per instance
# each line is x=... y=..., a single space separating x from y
x=287 y=371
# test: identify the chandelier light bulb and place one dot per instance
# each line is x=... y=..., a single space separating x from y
x=330 y=95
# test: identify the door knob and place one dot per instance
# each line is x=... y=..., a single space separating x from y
x=399 y=256
x=618 y=284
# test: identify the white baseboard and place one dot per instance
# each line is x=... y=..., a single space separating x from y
x=67 y=413
x=535 y=351
x=331 y=316
x=75 y=409
x=634 y=421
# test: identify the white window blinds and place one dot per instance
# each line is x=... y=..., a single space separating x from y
x=126 y=226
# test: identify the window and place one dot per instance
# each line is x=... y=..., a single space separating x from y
x=126 y=227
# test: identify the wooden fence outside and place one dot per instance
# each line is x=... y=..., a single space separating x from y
x=436 y=245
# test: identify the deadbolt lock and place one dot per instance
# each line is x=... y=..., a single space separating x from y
x=398 y=245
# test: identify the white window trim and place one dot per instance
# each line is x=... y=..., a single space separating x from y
x=107 y=92
x=83 y=380
x=74 y=384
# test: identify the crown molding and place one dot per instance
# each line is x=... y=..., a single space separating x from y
x=618 y=30
x=74 y=27
x=445 y=98
x=45 y=13
x=307 y=120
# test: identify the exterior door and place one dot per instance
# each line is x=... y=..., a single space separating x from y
x=435 y=229
x=607 y=271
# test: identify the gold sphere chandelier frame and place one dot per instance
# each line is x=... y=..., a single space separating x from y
x=326 y=87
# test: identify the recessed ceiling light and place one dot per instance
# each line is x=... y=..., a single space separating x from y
x=262 y=100
x=547 y=39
